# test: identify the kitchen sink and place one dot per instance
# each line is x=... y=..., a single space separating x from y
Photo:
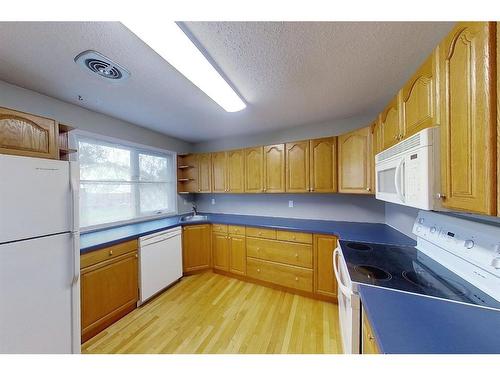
x=194 y=218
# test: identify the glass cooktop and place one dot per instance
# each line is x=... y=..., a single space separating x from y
x=407 y=269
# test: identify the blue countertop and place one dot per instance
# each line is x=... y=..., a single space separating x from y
x=405 y=323
x=346 y=230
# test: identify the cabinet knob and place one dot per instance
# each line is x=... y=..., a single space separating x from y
x=371 y=338
x=297 y=256
x=440 y=196
x=110 y=252
x=258 y=269
x=296 y=278
x=258 y=249
x=260 y=233
x=293 y=237
x=136 y=255
x=368 y=189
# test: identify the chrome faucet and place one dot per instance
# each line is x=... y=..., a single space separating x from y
x=195 y=212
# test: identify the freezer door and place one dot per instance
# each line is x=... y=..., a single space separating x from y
x=37 y=280
x=35 y=197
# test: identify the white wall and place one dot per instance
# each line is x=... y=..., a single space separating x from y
x=400 y=218
x=343 y=207
x=24 y=100
x=330 y=128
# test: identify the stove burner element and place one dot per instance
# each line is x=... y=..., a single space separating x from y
x=418 y=278
x=358 y=246
x=373 y=273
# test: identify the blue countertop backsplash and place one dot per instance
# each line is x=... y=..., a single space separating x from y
x=346 y=230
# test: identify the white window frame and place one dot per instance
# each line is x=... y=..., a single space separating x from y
x=134 y=147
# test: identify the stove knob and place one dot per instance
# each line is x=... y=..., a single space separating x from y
x=469 y=244
x=421 y=220
x=433 y=229
x=495 y=263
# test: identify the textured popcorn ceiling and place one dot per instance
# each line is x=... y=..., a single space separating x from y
x=290 y=74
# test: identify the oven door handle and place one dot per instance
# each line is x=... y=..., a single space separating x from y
x=345 y=290
x=397 y=180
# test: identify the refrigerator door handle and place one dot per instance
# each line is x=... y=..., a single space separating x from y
x=76 y=257
x=74 y=173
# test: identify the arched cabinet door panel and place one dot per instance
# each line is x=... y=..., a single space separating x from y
x=355 y=155
x=274 y=168
x=297 y=167
x=323 y=165
x=468 y=125
x=27 y=135
x=254 y=170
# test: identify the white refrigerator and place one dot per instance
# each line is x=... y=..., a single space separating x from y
x=39 y=256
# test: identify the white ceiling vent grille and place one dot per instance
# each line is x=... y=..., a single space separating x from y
x=101 y=65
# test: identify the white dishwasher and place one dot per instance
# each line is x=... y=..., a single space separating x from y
x=160 y=262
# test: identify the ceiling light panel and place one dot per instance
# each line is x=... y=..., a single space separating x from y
x=171 y=43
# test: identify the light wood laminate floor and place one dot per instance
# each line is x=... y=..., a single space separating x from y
x=211 y=313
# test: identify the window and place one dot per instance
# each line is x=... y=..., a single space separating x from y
x=122 y=183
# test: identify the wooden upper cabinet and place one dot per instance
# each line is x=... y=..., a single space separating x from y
x=355 y=155
x=187 y=173
x=204 y=173
x=219 y=172
x=323 y=165
x=468 y=128
x=498 y=122
x=390 y=124
x=27 y=135
x=297 y=167
x=377 y=137
x=236 y=171
x=419 y=98
x=196 y=247
x=274 y=168
x=254 y=170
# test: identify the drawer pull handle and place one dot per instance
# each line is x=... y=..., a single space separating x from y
x=110 y=252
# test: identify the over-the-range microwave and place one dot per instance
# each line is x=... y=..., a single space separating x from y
x=408 y=173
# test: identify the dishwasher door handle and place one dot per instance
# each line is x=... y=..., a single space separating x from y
x=144 y=244
x=345 y=290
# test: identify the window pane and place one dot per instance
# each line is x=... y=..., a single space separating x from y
x=154 y=197
x=153 y=168
x=102 y=203
x=103 y=162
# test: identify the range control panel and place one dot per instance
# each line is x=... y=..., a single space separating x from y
x=475 y=242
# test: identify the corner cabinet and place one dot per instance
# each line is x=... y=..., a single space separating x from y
x=368 y=340
x=297 y=167
x=274 y=168
x=420 y=98
x=27 y=135
x=355 y=162
x=196 y=247
x=468 y=121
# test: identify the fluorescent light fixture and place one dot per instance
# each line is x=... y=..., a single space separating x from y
x=171 y=43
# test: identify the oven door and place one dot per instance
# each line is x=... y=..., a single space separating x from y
x=390 y=180
x=348 y=305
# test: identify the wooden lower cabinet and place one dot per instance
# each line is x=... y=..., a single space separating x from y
x=368 y=341
x=196 y=247
x=220 y=252
x=281 y=274
x=325 y=283
x=109 y=287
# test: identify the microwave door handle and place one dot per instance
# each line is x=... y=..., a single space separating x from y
x=345 y=290
x=397 y=180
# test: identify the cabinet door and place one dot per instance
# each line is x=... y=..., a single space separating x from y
x=297 y=167
x=254 y=170
x=324 y=278
x=323 y=165
x=196 y=247
x=109 y=290
x=27 y=135
x=204 y=173
x=274 y=168
x=354 y=162
x=236 y=171
x=419 y=98
x=368 y=341
x=219 y=172
x=237 y=255
x=468 y=118
x=389 y=121
x=220 y=243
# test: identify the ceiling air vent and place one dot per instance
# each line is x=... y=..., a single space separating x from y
x=101 y=65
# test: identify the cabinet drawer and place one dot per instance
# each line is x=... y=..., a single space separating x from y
x=236 y=229
x=219 y=228
x=282 y=252
x=294 y=236
x=261 y=232
x=289 y=276
x=97 y=256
